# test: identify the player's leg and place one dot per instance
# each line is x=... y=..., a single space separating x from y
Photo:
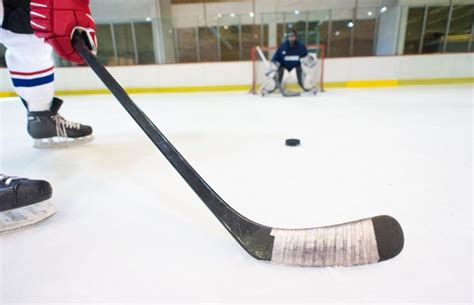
x=280 y=74
x=31 y=67
x=300 y=77
x=23 y=202
x=279 y=79
x=300 y=74
x=281 y=85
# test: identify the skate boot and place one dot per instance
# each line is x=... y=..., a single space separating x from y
x=49 y=129
x=265 y=92
x=310 y=92
x=23 y=202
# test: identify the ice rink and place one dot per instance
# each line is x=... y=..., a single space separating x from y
x=129 y=229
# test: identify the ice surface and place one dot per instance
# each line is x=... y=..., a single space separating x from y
x=129 y=229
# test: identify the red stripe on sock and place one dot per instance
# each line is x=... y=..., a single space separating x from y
x=31 y=73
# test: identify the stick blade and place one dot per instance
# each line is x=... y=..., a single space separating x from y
x=389 y=235
x=359 y=242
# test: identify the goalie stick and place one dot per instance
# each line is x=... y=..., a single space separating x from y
x=359 y=242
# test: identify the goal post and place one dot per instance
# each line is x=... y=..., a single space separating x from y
x=315 y=77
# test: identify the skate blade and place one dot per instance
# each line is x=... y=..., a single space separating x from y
x=24 y=217
x=309 y=93
x=59 y=142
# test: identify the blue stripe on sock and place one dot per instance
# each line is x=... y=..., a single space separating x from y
x=18 y=82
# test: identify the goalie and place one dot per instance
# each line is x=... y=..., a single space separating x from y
x=292 y=54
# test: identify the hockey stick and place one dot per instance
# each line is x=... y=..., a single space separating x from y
x=360 y=242
x=262 y=57
x=269 y=81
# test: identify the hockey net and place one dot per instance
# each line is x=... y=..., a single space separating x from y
x=314 y=77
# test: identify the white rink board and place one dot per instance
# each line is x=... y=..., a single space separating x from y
x=240 y=73
x=128 y=229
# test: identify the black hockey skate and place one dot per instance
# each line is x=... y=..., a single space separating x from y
x=23 y=202
x=50 y=129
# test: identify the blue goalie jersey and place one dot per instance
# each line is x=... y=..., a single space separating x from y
x=289 y=56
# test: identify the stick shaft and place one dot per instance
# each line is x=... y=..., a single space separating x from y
x=262 y=56
x=224 y=213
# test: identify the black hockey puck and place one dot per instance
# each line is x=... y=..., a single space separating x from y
x=293 y=142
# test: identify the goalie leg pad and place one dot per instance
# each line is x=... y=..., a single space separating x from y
x=273 y=81
x=282 y=89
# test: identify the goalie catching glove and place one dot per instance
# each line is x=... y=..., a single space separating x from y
x=309 y=61
x=57 y=20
